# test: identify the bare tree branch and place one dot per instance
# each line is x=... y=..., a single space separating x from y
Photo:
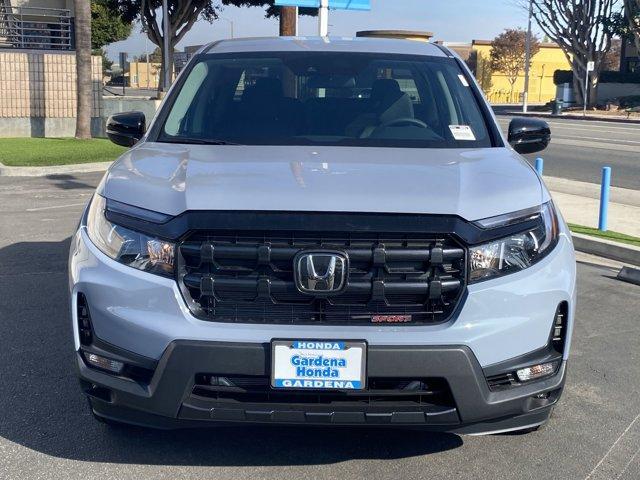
x=581 y=30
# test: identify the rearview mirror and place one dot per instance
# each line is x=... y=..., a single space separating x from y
x=126 y=128
x=529 y=135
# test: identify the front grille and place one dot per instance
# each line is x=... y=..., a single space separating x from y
x=380 y=391
x=247 y=277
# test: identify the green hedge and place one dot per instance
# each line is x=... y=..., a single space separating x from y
x=632 y=101
x=608 y=76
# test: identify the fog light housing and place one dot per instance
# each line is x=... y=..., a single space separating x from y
x=104 y=363
x=537 y=371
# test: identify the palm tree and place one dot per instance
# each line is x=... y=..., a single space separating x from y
x=84 y=84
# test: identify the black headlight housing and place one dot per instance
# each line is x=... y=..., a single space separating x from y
x=517 y=251
x=126 y=246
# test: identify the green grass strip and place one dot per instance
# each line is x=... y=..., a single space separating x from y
x=38 y=152
x=614 y=236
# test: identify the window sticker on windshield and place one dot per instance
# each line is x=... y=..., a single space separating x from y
x=462 y=132
x=463 y=80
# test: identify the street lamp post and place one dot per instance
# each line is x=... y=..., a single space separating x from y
x=527 y=62
x=230 y=24
x=166 y=80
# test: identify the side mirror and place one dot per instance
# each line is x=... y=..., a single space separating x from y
x=126 y=128
x=529 y=135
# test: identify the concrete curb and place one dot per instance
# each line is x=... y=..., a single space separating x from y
x=56 y=170
x=593 y=118
x=606 y=249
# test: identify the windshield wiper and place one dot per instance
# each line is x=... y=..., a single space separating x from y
x=197 y=141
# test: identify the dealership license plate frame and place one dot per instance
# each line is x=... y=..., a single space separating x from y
x=348 y=345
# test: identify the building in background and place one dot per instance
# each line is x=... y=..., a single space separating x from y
x=38 y=70
x=37 y=24
x=398 y=34
x=496 y=86
x=143 y=75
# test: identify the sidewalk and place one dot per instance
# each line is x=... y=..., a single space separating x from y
x=579 y=203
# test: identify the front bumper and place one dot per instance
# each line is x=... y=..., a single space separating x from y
x=171 y=398
x=143 y=318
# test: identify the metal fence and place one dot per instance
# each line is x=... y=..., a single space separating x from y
x=35 y=28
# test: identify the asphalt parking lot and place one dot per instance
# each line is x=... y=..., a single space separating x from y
x=46 y=430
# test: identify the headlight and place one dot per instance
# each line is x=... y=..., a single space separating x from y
x=131 y=248
x=515 y=252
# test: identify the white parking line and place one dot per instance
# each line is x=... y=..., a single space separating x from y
x=606 y=455
x=37 y=209
x=628 y=463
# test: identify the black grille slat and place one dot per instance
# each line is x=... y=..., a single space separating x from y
x=247 y=277
x=427 y=391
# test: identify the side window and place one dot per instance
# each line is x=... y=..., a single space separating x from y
x=185 y=98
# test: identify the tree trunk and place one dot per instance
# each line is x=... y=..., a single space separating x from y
x=161 y=90
x=633 y=7
x=578 y=83
x=84 y=84
x=288 y=21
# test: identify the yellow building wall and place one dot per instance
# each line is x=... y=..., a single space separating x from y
x=497 y=88
x=143 y=76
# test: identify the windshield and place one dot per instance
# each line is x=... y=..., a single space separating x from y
x=318 y=98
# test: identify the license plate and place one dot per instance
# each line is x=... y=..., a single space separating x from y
x=318 y=364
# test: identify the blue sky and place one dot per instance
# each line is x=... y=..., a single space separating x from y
x=450 y=20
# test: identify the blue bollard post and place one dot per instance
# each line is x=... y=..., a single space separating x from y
x=539 y=165
x=604 y=198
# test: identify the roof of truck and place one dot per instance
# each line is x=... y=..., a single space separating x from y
x=326 y=44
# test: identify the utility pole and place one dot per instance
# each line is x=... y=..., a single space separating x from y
x=288 y=21
x=323 y=18
x=166 y=80
x=230 y=24
x=146 y=52
x=527 y=62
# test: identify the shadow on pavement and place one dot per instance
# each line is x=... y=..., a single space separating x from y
x=42 y=408
x=68 y=182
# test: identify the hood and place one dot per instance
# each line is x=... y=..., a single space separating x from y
x=473 y=184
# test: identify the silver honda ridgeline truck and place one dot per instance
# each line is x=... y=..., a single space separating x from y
x=323 y=231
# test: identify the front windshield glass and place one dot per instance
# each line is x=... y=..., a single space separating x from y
x=318 y=98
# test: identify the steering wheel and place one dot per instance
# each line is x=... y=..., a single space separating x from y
x=406 y=120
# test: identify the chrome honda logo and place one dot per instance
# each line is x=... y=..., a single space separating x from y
x=321 y=272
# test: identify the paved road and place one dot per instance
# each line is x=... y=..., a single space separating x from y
x=46 y=431
x=114 y=90
x=580 y=148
